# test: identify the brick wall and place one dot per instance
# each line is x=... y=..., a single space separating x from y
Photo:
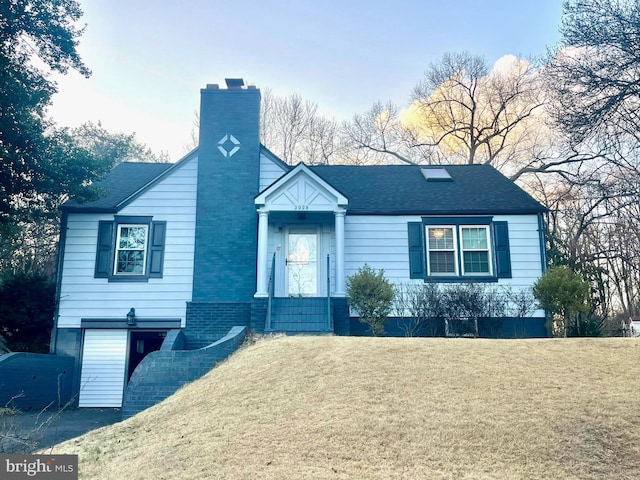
x=258 y=314
x=163 y=372
x=209 y=321
x=341 y=323
x=226 y=222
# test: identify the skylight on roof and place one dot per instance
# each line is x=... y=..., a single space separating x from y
x=437 y=174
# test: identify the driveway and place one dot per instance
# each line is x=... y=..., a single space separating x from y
x=24 y=432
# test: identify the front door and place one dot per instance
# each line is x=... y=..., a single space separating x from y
x=141 y=344
x=301 y=263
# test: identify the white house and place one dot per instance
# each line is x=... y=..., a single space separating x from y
x=230 y=235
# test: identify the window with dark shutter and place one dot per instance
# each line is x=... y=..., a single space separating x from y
x=156 y=249
x=503 y=255
x=130 y=249
x=416 y=250
x=104 y=251
x=459 y=249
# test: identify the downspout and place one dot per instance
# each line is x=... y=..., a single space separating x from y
x=543 y=243
x=61 y=243
x=543 y=256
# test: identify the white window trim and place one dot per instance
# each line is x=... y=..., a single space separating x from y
x=458 y=251
x=455 y=251
x=488 y=250
x=117 y=249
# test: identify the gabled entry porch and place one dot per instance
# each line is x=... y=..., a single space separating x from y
x=300 y=258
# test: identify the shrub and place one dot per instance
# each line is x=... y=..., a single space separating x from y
x=472 y=309
x=586 y=326
x=417 y=307
x=563 y=294
x=521 y=305
x=467 y=309
x=371 y=295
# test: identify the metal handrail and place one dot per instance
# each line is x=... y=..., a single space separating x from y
x=270 y=290
x=329 y=313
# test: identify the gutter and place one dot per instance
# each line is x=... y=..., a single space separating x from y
x=62 y=240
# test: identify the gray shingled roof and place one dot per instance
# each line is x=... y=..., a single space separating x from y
x=385 y=189
x=122 y=182
x=402 y=189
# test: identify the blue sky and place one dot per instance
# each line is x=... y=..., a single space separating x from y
x=150 y=58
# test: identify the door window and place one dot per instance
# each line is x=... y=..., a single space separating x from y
x=302 y=263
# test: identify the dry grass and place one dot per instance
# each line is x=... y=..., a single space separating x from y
x=371 y=408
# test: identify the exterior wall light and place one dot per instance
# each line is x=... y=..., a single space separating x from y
x=131 y=317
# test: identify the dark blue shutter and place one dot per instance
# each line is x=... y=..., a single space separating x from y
x=104 y=251
x=416 y=250
x=503 y=256
x=156 y=248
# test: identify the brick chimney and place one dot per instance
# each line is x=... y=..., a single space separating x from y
x=228 y=181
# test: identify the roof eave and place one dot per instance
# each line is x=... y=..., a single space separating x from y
x=81 y=209
x=356 y=211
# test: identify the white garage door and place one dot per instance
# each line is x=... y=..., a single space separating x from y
x=103 y=368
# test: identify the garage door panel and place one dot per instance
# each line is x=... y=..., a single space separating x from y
x=103 y=368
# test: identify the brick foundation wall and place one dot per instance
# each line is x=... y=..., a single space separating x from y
x=207 y=321
x=341 y=323
x=258 y=314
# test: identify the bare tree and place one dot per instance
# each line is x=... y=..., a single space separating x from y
x=293 y=129
x=596 y=69
x=379 y=136
x=461 y=112
x=594 y=81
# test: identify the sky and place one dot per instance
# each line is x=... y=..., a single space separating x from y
x=150 y=58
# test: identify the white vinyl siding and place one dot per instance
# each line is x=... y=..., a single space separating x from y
x=382 y=242
x=103 y=368
x=173 y=200
x=270 y=171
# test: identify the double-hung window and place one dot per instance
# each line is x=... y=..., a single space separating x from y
x=476 y=255
x=441 y=250
x=458 y=248
x=130 y=248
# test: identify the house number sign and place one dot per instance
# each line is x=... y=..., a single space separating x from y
x=301 y=207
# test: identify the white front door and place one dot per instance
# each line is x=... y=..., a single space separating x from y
x=103 y=368
x=301 y=263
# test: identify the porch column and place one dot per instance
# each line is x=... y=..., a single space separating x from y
x=262 y=281
x=340 y=280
